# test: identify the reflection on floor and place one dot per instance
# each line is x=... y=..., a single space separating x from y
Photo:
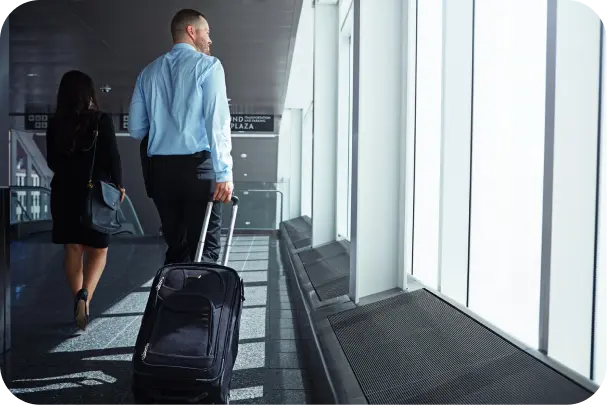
x=51 y=363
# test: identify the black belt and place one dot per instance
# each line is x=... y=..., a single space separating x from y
x=205 y=154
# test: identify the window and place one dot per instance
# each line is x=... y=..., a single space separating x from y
x=350 y=100
x=427 y=141
x=600 y=301
x=306 y=162
x=344 y=135
x=507 y=164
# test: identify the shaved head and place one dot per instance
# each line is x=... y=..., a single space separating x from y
x=191 y=26
x=185 y=18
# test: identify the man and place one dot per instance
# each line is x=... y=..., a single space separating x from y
x=180 y=103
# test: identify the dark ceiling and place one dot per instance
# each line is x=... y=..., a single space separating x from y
x=112 y=40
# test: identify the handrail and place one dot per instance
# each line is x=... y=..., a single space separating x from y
x=137 y=224
x=282 y=197
x=24 y=211
x=30 y=188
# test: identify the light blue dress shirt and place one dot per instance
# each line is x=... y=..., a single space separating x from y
x=180 y=100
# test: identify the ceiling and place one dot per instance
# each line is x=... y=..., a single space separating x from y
x=112 y=40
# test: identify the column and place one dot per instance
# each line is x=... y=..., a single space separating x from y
x=379 y=122
x=324 y=149
x=307 y=134
x=571 y=201
x=458 y=23
x=294 y=207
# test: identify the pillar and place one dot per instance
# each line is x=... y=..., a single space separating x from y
x=379 y=125
x=324 y=148
x=294 y=207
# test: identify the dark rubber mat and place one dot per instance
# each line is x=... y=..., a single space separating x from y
x=300 y=232
x=417 y=349
x=298 y=224
x=328 y=268
x=302 y=243
x=322 y=252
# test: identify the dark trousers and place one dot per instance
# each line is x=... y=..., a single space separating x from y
x=181 y=187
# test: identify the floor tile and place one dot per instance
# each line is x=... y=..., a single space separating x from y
x=49 y=363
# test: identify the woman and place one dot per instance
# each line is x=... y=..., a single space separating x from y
x=70 y=148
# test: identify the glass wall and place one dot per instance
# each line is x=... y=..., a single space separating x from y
x=502 y=168
x=427 y=141
x=505 y=169
x=507 y=164
x=306 y=162
x=600 y=299
x=344 y=135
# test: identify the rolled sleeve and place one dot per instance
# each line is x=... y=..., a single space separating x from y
x=139 y=123
x=217 y=121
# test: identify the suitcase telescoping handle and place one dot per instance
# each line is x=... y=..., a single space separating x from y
x=205 y=227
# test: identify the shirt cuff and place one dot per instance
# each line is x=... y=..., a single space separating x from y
x=222 y=177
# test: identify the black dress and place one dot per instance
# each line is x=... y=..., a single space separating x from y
x=71 y=175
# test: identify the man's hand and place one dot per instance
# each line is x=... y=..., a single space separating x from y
x=223 y=191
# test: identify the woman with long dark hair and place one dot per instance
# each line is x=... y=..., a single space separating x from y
x=70 y=146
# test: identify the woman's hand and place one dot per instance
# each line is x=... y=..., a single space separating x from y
x=122 y=194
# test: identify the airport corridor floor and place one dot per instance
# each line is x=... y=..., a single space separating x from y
x=50 y=362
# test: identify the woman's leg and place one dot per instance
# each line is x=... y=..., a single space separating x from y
x=94 y=264
x=73 y=267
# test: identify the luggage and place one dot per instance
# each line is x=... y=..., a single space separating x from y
x=188 y=341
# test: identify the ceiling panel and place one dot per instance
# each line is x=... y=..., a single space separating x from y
x=112 y=40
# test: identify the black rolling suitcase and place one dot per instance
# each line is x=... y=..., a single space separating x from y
x=188 y=341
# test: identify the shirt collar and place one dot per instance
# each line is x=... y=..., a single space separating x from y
x=183 y=45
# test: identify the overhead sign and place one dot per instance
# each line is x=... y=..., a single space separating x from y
x=123 y=124
x=36 y=121
x=240 y=123
x=252 y=123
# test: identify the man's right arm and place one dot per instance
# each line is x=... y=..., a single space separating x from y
x=139 y=123
x=217 y=125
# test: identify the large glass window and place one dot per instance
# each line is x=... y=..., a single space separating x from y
x=306 y=162
x=600 y=303
x=507 y=164
x=350 y=93
x=344 y=135
x=428 y=141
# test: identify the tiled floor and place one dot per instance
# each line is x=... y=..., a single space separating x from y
x=51 y=363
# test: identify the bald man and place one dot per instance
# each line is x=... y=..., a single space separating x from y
x=180 y=103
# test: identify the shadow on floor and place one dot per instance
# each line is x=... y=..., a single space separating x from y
x=50 y=362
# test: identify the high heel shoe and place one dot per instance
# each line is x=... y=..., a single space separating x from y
x=80 y=309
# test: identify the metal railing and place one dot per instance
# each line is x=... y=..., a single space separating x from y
x=280 y=193
x=33 y=204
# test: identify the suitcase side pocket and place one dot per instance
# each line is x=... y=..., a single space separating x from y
x=182 y=335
